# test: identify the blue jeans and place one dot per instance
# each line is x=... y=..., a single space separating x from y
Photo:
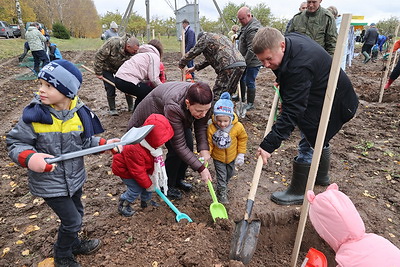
x=305 y=151
x=70 y=211
x=249 y=76
x=189 y=65
x=133 y=190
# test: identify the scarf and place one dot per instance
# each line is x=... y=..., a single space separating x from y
x=159 y=177
x=221 y=138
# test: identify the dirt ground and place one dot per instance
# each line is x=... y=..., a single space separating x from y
x=365 y=165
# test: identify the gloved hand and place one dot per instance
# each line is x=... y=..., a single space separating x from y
x=117 y=149
x=37 y=163
x=239 y=161
x=151 y=188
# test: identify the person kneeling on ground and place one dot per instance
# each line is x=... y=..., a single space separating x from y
x=139 y=161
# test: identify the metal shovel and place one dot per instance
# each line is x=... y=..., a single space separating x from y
x=133 y=136
x=217 y=209
x=179 y=215
x=241 y=110
x=244 y=241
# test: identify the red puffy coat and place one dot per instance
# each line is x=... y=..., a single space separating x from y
x=135 y=161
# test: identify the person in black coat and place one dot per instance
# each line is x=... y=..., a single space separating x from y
x=302 y=70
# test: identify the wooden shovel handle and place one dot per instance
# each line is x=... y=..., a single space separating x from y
x=257 y=171
x=104 y=79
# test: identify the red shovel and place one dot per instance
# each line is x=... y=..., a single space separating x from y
x=315 y=258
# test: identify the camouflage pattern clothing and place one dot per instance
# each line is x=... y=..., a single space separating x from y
x=111 y=55
x=319 y=26
x=223 y=56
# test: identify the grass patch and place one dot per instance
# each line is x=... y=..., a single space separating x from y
x=14 y=47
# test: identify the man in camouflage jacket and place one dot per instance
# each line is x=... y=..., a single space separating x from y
x=317 y=23
x=108 y=59
x=222 y=55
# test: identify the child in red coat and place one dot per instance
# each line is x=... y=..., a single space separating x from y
x=140 y=165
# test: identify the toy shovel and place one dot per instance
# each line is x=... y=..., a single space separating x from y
x=133 y=136
x=217 y=209
x=179 y=215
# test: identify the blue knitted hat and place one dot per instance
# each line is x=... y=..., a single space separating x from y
x=62 y=75
x=224 y=106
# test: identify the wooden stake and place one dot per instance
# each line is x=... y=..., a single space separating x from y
x=323 y=125
x=385 y=76
x=183 y=53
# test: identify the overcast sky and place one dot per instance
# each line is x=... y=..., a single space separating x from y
x=373 y=11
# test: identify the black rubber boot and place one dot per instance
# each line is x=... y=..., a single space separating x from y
x=129 y=100
x=294 y=195
x=243 y=90
x=251 y=96
x=324 y=166
x=111 y=105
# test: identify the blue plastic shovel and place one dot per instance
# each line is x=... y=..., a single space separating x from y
x=179 y=215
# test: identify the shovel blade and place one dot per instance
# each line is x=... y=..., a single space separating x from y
x=244 y=241
x=218 y=211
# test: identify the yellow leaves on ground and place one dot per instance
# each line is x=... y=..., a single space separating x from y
x=5 y=251
x=368 y=194
x=19 y=205
x=19 y=242
x=31 y=228
x=25 y=252
x=48 y=262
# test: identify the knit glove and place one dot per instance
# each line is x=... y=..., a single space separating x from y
x=36 y=162
x=239 y=161
x=151 y=188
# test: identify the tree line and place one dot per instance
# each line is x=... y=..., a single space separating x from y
x=81 y=19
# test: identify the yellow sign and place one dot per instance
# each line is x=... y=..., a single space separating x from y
x=357 y=17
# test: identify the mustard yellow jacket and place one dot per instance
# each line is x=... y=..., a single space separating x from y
x=238 y=145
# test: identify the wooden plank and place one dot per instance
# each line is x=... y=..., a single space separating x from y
x=323 y=125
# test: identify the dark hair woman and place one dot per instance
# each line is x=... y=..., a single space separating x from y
x=186 y=106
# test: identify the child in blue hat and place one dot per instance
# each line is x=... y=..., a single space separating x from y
x=227 y=139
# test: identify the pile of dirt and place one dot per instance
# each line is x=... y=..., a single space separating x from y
x=365 y=165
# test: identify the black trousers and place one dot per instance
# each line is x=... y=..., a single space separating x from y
x=70 y=211
x=109 y=88
x=39 y=57
x=174 y=165
x=141 y=90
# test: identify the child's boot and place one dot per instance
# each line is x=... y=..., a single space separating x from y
x=223 y=195
x=145 y=204
x=86 y=247
x=124 y=208
x=66 y=262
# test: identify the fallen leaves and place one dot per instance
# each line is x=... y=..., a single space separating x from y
x=368 y=194
x=31 y=228
x=5 y=251
x=19 y=205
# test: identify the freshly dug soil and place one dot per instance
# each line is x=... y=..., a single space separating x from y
x=365 y=164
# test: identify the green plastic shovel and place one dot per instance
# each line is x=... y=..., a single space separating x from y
x=217 y=209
